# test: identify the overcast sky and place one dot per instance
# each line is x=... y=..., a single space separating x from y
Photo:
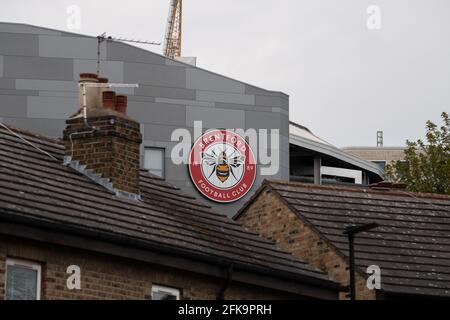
x=345 y=81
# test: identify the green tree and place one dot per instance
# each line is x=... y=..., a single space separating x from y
x=427 y=163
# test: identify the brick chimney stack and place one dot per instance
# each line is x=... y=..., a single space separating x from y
x=107 y=143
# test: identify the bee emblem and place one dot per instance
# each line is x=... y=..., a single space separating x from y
x=223 y=165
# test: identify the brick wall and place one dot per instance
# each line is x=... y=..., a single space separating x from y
x=107 y=277
x=112 y=150
x=271 y=218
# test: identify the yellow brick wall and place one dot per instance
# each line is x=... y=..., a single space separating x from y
x=380 y=154
x=107 y=277
x=271 y=218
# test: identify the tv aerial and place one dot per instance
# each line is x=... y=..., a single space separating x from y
x=103 y=37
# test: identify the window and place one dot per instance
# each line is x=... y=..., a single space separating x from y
x=23 y=280
x=165 y=293
x=380 y=163
x=154 y=161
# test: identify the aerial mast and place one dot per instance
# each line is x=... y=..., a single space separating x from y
x=172 y=44
x=103 y=37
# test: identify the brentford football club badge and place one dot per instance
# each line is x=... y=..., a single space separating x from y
x=222 y=166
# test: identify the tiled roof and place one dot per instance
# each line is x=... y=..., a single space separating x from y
x=39 y=189
x=411 y=244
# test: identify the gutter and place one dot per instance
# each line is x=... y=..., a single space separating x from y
x=171 y=250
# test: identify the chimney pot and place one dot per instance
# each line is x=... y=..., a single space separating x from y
x=109 y=99
x=121 y=104
x=112 y=150
x=88 y=76
x=100 y=91
x=91 y=92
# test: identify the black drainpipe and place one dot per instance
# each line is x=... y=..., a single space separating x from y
x=351 y=231
x=229 y=271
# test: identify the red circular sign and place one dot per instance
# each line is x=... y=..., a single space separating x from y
x=222 y=166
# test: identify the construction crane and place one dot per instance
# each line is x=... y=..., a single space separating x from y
x=172 y=44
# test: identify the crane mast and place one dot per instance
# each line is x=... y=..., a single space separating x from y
x=172 y=44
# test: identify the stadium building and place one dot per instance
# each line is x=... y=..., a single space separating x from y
x=39 y=73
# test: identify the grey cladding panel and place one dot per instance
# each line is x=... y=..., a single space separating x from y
x=1 y=66
x=269 y=101
x=157 y=113
x=23 y=28
x=38 y=68
x=263 y=120
x=246 y=107
x=61 y=94
x=46 y=85
x=203 y=80
x=255 y=90
x=215 y=118
x=164 y=92
x=157 y=132
x=13 y=106
x=152 y=74
x=174 y=172
x=124 y=52
x=280 y=110
x=185 y=102
x=51 y=107
x=225 y=97
x=68 y=47
x=49 y=127
x=171 y=62
x=15 y=92
x=249 y=89
x=141 y=99
x=113 y=70
x=7 y=83
x=18 y=44
x=284 y=125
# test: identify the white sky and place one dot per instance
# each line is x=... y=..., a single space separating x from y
x=345 y=82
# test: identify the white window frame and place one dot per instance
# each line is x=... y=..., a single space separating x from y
x=341 y=172
x=163 y=159
x=173 y=291
x=27 y=264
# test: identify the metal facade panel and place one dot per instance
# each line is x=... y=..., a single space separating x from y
x=170 y=95
x=69 y=47
x=113 y=70
x=38 y=68
x=7 y=27
x=51 y=107
x=13 y=106
x=152 y=74
x=18 y=44
x=225 y=97
x=204 y=80
x=123 y=52
x=215 y=118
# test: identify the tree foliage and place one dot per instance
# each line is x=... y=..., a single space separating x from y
x=427 y=163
